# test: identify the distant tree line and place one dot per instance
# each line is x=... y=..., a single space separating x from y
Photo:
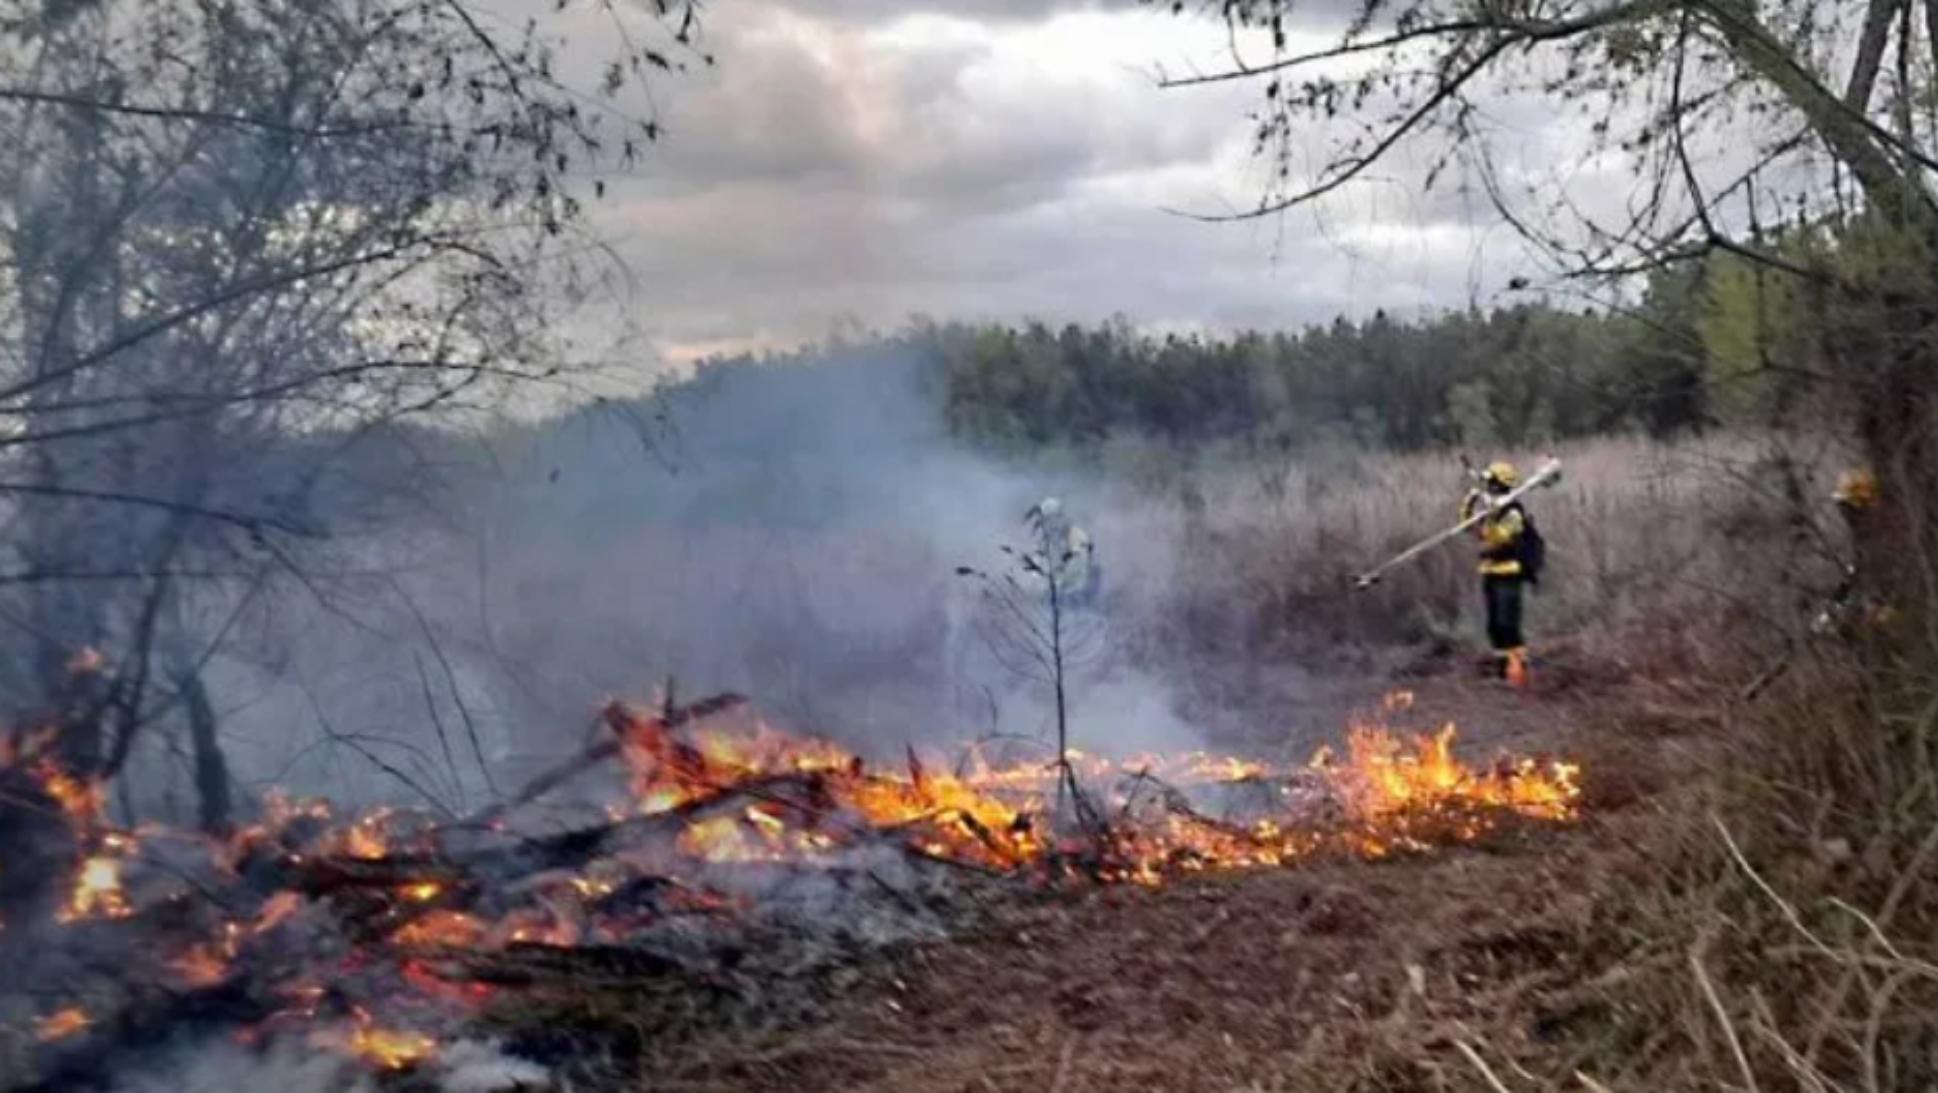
x=1704 y=345
x=1519 y=375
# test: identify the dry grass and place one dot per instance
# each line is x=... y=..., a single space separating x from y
x=1807 y=919
x=1645 y=539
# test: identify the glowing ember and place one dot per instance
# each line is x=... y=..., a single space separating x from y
x=97 y=892
x=275 y=911
x=62 y=1024
x=423 y=892
x=453 y=928
x=365 y=839
x=535 y=927
x=204 y=965
x=82 y=801
x=384 y=1048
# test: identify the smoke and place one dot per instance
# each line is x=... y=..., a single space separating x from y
x=795 y=535
x=464 y=1066
x=791 y=532
x=286 y=1069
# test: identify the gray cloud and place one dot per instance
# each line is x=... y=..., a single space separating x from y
x=997 y=159
x=876 y=11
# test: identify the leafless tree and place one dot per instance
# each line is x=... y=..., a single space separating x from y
x=239 y=238
x=1031 y=630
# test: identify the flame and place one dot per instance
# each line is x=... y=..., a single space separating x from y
x=62 y=1024
x=280 y=810
x=366 y=839
x=207 y=964
x=668 y=771
x=754 y=835
x=97 y=891
x=453 y=928
x=1391 y=793
x=535 y=927
x=384 y=1048
x=275 y=911
x=423 y=891
x=210 y=962
x=1384 y=777
x=81 y=800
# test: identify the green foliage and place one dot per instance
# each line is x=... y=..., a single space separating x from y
x=1517 y=376
x=1512 y=377
x=1762 y=331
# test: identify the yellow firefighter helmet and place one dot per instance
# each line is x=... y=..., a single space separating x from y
x=1502 y=473
x=1856 y=489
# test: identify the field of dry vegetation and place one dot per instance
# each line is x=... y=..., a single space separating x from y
x=1741 y=896
x=1747 y=902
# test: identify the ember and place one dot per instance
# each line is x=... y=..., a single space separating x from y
x=61 y=1024
x=97 y=892
x=81 y=801
x=386 y=1049
x=207 y=964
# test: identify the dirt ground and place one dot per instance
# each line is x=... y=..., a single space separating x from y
x=1344 y=975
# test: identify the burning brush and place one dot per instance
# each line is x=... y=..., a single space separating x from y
x=384 y=935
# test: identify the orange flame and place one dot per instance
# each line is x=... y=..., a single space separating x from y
x=275 y=911
x=97 y=892
x=82 y=801
x=366 y=838
x=453 y=928
x=62 y=1024
x=384 y=1048
x=1392 y=794
x=423 y=891
x=206 y=964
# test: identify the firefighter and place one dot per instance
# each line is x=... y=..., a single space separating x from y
x=1856 y=496
x=1854 y=611
x=1854 y=603
x=1503 y=578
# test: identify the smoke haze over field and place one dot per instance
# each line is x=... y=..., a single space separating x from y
x=790 y=532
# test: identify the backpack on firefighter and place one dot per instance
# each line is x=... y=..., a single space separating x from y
x=1531 y=550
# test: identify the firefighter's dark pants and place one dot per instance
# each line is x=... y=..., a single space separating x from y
x=1503 y=595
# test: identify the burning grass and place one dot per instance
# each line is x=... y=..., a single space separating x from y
x=381 y=934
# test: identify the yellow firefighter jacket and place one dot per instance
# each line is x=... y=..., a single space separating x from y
x=1500 y=537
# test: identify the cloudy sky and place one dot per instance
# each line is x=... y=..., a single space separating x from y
x=869 y=160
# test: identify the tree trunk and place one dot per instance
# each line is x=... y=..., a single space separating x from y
x=1840 y=126
x=211 y=768
x=1870 y=53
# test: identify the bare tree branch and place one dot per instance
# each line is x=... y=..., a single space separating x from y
x=254 y=524
x=190 y=114
x=1870 y=53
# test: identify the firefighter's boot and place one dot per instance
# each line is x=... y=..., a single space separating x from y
x=1514 y=667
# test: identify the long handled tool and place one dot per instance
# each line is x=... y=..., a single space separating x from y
x=1547 y=474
